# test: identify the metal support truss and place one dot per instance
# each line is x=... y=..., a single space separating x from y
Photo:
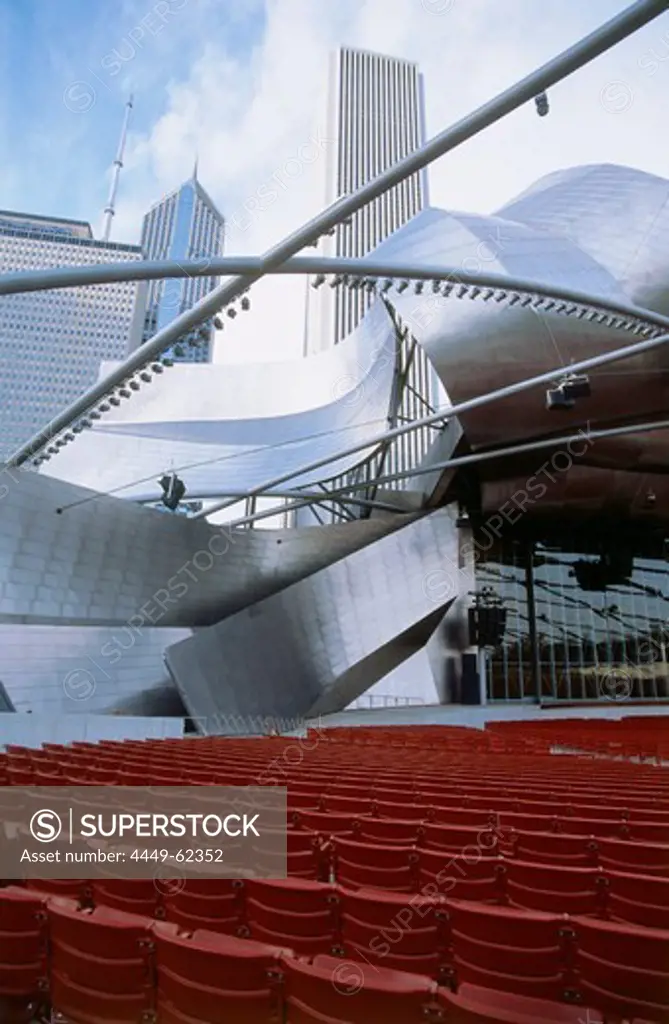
x=574 y=57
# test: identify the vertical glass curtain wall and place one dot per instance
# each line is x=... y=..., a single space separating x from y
x=570 y=635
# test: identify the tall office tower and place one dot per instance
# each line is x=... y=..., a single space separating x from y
x=376 y=116
x=52 y=342
x=185 y=225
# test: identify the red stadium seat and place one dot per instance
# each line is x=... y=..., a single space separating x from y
x=131 y=895
x=511 y=950
x=553 y=889
x=638 y=899
x=23 y=954
x=475 y=1005
x=461 y=840
x=403 y=934
x=100 y=967
x=461 y=877
x=333 y=991
x=387 y=830
x=296 y=913
x=214 y=905
x=380 y=867
x=635 y=858
x=551 y=848
x=622 y=969
x=206 y=978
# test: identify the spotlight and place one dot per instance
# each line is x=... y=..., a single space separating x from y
x=387 y=285
x=245 y=303
x=94 y=414
x=124 y=393
x=134 y=385
x=113 y=400
x=232 y=312
x=418 y=287
x=576 y=386
x=541 y=103
x=157 y=367
x=318 y=281
x=104 y=407
x=166 y=361
x=402 y=286
x=218 y=323
x=146 y=377
x=174 y=490
x=556 y=400
x=436 y=287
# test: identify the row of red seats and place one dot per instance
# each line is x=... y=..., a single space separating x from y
x=102 y=964
x=104 y=766
x=471 y=874
x=631 y=736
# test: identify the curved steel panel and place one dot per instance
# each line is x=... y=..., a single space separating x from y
x=618 y=215
x=231 y=427
x=478 y=346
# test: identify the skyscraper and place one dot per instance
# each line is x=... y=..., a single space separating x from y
x=52 y=342
x=376 y=116
x=184 y=225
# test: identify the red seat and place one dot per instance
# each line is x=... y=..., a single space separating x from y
x=215 y=979
x=402 y=812
x=517 y=951
x=553 y=889
x=326 y=822
x=100 y=967
x=475 y=1005
x=387 y=830
x=333 y=991
x=622 y=969
x=638 y=899
x=379 y=867
x=551 y=848
x=23 y=952
x=635 y=858
x=214 y=905
x=469 y=817
x=131 y=895
x=296 y=913
x=461 y=840
x=389 y=930
x=459 y=877
x=347 y=804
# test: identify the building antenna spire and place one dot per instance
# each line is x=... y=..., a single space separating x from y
x=118 y=164
x=194 y=176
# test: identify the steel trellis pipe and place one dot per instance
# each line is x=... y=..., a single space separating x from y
x=106 y=273
x=570 y=60
x=628 y=352
x=461 y=460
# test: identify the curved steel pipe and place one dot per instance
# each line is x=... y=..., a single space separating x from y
x=570 y=60
x=463 y=460
x=72 y=277
x=628 y=352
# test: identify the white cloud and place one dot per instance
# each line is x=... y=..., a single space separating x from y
x=247 y=114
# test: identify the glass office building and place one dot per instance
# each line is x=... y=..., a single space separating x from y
x=587 y=617
x=52 y=342
x=185 y=225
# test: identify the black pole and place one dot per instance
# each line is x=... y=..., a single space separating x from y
x=535 y=667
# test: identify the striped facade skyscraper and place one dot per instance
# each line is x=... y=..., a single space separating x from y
x=376 y=116
x=52 y=342
x=184 y=225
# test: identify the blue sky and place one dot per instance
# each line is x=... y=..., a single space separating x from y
x=243 y=83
